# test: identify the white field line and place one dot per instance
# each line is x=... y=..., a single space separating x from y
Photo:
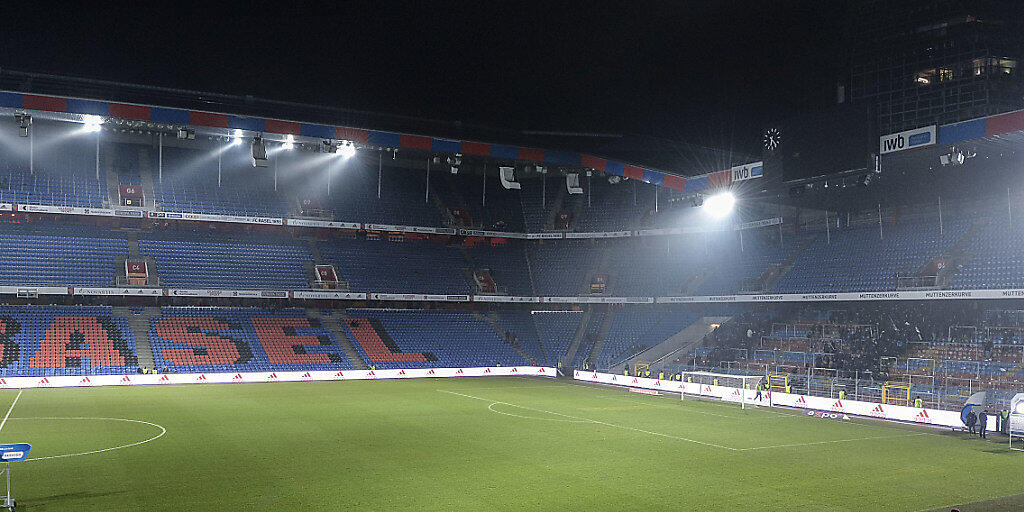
x=640 y=401
x=794 y=445
x=510 y=388
x=588 y=420
x=8 y=415
x=492 y=409
x=154 y=438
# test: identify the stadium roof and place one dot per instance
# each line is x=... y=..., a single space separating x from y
x=652 y=154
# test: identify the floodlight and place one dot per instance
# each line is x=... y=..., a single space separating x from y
x=346 y=150
x=289 y=142
x=237 y=139
x=92 y=123
x=719 y=205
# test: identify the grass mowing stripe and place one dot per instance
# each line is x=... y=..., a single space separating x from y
x=613 y=425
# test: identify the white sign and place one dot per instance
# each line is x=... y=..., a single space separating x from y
x=909 y=139
x=323 y=224
x=271 y=376
x=747 y=171
x=870 y=409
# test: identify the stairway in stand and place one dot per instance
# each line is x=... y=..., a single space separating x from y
x=140 y=328
x=333 y=322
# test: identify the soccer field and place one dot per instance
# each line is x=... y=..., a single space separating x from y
x=475 y=444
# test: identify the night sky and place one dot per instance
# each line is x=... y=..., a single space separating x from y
x=712 y=73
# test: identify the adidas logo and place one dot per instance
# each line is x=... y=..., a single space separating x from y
x=458 y=372
x=339 y=375
x=922 y=417
x=306 y=375
x=707 y=389
x=401 y=372
x=46 y=381
x=3 y=382
x=371 y=374
x=515 y=370
x=272 y=376
x=801 y=400
x=657 y=383
x=635 y=381
x=201 y=377
x=431 y=372
x=541 y=370
x=838 y=405
x=238 y=376
x=164 y=379
x=487 y=370
x=85 y=381
x=124 y=380
x=614 y=379
x=878 y=411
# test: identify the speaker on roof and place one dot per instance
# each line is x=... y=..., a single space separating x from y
x=572 y=183
x=508 y=179
x=259 y=152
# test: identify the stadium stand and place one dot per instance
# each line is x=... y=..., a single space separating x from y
x=202 y=339
x=635 y=328
x=409 y=266
x=858 y=259
x=189 y=259
x=562 y=267
x=65 y=340
x=427 y=339
x=80 y=189
x=59 y=253
x=556 y=329
x=190 y=184
x=507 y=265
x=520 y=325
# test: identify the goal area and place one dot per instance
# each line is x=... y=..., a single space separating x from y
x=741 y=389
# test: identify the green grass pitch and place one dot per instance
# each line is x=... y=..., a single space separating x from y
x=477 y=444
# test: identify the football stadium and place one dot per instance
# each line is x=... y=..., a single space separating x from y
x=221 y=301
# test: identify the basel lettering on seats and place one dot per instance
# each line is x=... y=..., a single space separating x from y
x=204 y=344
x=77 y=341
x=9 y=350
x=283 y=344
x=378 y=344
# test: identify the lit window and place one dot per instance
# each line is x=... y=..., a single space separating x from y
x=925 y=77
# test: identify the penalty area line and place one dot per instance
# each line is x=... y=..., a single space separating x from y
x=588 y=420
x=8 y=415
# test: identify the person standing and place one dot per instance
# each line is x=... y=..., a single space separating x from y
x=982 y=423
x=972 y=419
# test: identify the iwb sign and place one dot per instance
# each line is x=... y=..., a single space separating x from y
x=748 y=171
x=909 y=139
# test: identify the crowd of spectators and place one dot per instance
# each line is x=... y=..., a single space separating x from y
x=852 y=338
